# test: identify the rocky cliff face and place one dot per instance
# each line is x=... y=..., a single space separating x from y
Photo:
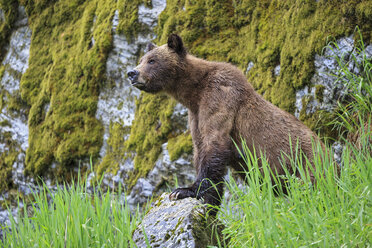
x=13 y=116
x=116 y=110
x=65 y=99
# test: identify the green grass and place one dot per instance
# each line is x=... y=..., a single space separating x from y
x=354 y=111
x=71 y=217
x=337 y=211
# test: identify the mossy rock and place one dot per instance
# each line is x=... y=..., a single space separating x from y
x=182 y=223
x=66 y=71
x=181 y=144
x=150 y=129
x=10 y=12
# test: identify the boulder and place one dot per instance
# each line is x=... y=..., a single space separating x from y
x=180 y=223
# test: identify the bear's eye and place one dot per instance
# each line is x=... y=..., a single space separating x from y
x=151 y=61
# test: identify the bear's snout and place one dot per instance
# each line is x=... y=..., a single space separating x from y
x=133 y=75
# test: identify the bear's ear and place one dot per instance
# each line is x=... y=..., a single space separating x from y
x=149 y=47
x=175 y=43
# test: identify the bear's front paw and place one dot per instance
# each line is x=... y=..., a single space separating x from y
x=182 y=193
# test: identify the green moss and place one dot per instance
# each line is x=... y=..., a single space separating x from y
x=65 y=73
x=151 y=128
x=179 y=145
x=268 y=33
x=318 y=121
x=10 y=11
x=319 y=90
x=116 y=149
x=7 y=158
x=128 y=17
x=2 y=69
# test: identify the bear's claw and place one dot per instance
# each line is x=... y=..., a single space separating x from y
x=181 y=193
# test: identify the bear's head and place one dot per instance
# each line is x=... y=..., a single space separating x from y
x=160 y=67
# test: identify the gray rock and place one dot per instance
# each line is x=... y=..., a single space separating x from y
x=326 y=67
x=117 y=98
x=16 y=59
x=162 y=178
x=5 y=220
x=149 y=16
x=175 y=224
x=249 y=67
x=16 y=63
x=2 y=17
x=277 y=70
x=326 y=72
x=116 y=101
x=179 y=117
x=22 y=19
x=337 y=151
x=140 y=193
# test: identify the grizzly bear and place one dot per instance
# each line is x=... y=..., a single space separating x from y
x=223 y=109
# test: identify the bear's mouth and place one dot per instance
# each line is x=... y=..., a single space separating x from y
x=138 y=85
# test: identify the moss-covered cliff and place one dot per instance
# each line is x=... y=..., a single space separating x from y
x=267 y=33
x=63 y=80
x=71 y=41
x=69 y=47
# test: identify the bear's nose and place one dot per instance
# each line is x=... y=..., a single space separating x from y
x=132 y=75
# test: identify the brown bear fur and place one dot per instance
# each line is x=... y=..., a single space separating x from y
x=222 y=107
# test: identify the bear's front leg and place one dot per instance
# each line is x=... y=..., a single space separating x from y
x=210 y=127
x=209 y=184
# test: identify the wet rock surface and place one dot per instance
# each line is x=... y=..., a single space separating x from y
x=175 y=224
